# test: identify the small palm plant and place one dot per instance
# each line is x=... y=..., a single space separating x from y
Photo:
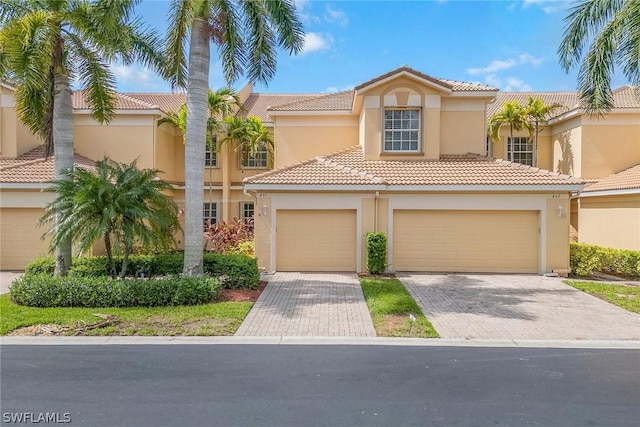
x=116 y=202
x=248 y=136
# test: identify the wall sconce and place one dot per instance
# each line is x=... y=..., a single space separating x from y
x=264 y=210
x=560 y=212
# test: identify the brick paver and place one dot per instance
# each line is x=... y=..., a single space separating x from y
x=310 y=304
x=467 y=306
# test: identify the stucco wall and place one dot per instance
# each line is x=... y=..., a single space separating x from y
x=610 y=221
x=610 y=146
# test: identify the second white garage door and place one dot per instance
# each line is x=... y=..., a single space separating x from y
x=466 y=241
x=316 y=240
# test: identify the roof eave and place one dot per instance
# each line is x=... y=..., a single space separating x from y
x=414 y=188
x=621 y=192
x=359 y=90
x=273 y=113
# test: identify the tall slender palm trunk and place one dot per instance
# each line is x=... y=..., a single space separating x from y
x=63 y=148
x=195 y=145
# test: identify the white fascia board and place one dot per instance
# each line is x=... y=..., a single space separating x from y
x=486 y=188
x=405 y=74
x=310 y=113
x=566 y=115
x=126 y=112
x=415 y=188
x=610 y=193
x=24 y=186
x=302 y=188
x=474 y=94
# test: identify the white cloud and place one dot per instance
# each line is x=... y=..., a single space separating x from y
x=516 y=85
x=335 y=89
x=505 y=64
x=314 y=42
x=302 y=7
x=493 y=80
x=126 y=74
x=335 y=16
x=548 y=6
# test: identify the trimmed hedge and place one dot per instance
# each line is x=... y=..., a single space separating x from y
x=234 y=271
x=376 y=252
x=586 y=259
x=43 y=290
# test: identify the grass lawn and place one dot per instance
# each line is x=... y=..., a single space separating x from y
x=390 y=305
x=627 y=297
x=221 y=318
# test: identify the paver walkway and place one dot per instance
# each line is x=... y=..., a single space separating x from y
x=310 y=304
x=466 y=306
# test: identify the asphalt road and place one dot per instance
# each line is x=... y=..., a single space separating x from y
x=264 y=385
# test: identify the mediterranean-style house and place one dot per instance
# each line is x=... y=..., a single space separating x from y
x=403 y=153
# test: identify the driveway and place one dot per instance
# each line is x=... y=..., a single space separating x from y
x=468 y=306
x=6 y=278
x=310 y=304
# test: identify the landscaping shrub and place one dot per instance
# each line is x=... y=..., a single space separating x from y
x=43 y=290
x=234 y=271
x=586 y=259
x=376 y=252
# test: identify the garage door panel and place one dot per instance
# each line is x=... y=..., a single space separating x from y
x=316 y=240
x=20 y=237
x=466 y=241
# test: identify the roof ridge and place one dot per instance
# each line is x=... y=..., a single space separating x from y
x=23 y=163
x=535 y=169
x=139 y=101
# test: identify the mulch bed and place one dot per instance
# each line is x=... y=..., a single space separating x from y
x=242 y=295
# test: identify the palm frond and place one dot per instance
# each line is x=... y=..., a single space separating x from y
x=180 y=20
x=287 y=23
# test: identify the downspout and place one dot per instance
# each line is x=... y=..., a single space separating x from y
x=375 y=212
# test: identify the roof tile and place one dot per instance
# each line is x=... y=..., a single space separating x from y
x=32 y=167
x=628 y=179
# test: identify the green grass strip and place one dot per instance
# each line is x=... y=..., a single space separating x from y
x=625 y=296
x=391 y=305
x=216 y=319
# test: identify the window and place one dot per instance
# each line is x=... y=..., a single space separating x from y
x=210 y=155
x=259 y=159
x=402 y=130
x=520 y=150
x=210 y=212
x=246 y=210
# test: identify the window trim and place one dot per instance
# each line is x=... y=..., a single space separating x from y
x=243 y=209
x=418 y=150
x=213 y=153
x=510 y=153
x=205 y=218
x=242 y=156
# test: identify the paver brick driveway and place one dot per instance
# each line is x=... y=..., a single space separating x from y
x=310 y=304
x=467 y=306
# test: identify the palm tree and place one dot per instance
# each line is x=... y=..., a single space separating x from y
x=116 y=201
x=538 y=112
x=249 y=136
x=511 y=114
x=44 y=45
x=247 y=33
x=613 y=30
x=221 y=104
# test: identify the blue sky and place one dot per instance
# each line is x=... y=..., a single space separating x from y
x=507 y=44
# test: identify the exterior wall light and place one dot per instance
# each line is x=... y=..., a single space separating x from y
x=560 y=212
x=264 y=210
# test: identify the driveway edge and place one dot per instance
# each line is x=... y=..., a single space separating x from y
x=346 y=341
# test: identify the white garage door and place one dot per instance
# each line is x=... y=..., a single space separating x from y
x=466 y=241
x=316 y=240
x=20 y=241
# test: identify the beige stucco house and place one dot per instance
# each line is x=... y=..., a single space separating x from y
x=403 y=153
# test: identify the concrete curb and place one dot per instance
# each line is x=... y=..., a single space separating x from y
x=346 y=341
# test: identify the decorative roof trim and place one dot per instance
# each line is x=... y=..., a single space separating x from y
x=400 y=72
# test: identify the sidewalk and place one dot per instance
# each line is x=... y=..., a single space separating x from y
x=6 y=278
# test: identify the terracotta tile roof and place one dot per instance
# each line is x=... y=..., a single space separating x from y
x=32 y=167
x=348 y=167
x=166 y=102
x=258 y=103
x=341 y=101
x=628 y=179
x=449 y=84
x=624 y=97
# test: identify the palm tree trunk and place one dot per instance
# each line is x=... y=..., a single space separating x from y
x=63 y=147
x=197 y=92
x=107 y=247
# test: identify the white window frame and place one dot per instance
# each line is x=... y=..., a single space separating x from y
x=244 y=208
x=211 y=156
x=400 y=130
x=206 y=208
x=517 y=155
x=260 y=160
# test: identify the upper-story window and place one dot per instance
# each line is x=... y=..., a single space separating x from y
x=402 y=130
x=257 y=160
x=210 y=155
x=520 y=150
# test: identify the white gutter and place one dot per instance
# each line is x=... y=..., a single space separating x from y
x=24 y=186
x=610 y=192
x=413 y=188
